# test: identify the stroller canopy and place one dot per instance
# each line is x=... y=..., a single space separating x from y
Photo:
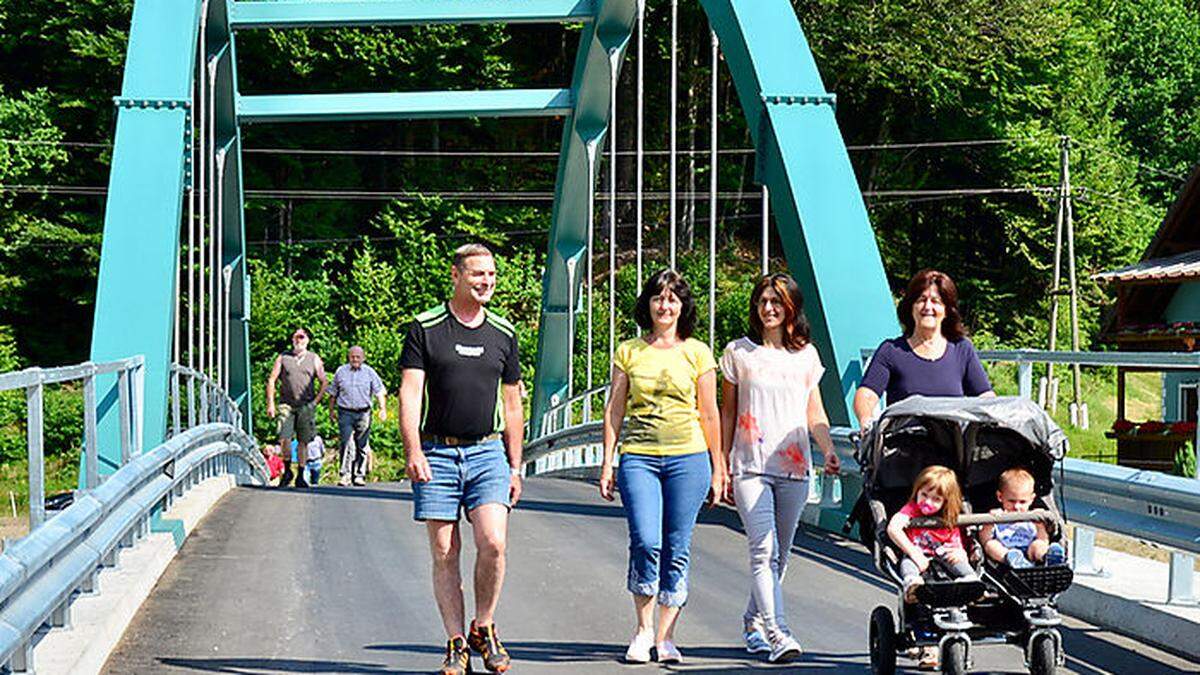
x=1015 y=413
x=976 y=437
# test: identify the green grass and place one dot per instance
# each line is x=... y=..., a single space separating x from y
x=1098 y=389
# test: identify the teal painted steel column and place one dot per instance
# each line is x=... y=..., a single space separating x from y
x=818 y=208
x=584 y=131
x=135 y=295
x=235 y=325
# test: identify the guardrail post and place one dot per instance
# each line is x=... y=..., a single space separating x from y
x=1083 y=551
x=123 y=409
x=22 y=658
x=175 y=403
x=91 y=583
x=139 y=410
x=37 y=468
x=191 y=385
x=1025 y=379
x=1183 y=572
x=61 y=616
x=91 y=442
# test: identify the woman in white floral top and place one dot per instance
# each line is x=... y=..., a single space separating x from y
x=771 y=403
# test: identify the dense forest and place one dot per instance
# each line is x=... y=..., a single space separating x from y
x=914 y=79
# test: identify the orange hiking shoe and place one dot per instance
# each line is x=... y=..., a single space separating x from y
x=458 y=657
x=487 y=643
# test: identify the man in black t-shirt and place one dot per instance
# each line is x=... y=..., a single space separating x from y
x=460 y=411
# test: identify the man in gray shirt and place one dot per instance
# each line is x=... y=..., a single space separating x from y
x=354 y=384
x=297 y=371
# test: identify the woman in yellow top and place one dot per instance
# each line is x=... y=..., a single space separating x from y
x=664 y=392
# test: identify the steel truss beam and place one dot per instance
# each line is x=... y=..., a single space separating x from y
x=815 y=200
x=135 y=296
x=339 y=13
x=601 y=50
x=409 y=105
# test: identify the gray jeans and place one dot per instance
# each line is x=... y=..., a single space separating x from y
x=355 y=431
x=770 y=509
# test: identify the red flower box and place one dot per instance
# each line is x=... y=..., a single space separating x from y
x=1184 y=428
x=1152 y=427
x=1123 y=426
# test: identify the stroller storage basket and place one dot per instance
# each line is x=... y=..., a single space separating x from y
x=1035 y=582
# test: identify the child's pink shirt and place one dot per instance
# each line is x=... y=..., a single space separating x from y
x=930 y=539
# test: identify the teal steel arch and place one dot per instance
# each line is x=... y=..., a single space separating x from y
x=135 y=295
x=819 y=211
x=818 y=208
x=139 y=256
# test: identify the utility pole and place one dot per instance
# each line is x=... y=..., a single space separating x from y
x=1065 y=220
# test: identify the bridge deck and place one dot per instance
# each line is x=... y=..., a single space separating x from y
x=337 y=580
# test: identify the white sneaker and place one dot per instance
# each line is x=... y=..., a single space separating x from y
x=785 y=649
x=669 y=653
x=756 y=641
x=639 y=648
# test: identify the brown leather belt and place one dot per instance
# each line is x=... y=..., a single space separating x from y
x=458 y=440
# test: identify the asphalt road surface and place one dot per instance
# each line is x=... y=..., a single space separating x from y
x=336 y=580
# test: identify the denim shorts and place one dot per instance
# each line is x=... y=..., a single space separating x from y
x=465 y=477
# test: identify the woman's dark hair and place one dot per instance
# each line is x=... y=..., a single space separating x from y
x=952 y=325
x=795 y=323
x=661 y=281
x=302 y=329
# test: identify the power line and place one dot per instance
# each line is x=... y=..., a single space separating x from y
x=537 y=154
x=1140 y=165
x=514 y=196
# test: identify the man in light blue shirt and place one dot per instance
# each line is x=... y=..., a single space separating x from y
x=354 y=385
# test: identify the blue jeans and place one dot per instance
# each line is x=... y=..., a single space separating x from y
x=662 y=497
x=465 y=477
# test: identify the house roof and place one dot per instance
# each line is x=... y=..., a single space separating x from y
x=1145 y=289
x=1171 y=268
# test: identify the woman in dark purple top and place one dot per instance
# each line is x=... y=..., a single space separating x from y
x=932 y=358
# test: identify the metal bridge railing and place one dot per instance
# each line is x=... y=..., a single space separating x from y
x=61 y=557
x=580 y=408
x=203 y=401
x=34 y=380
x=1144 y=505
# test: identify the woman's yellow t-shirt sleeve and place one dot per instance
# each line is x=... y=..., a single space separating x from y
x=621 y=357
x=701 y=357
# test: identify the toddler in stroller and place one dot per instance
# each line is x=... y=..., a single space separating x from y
x=935 y=495
x=1024 y=543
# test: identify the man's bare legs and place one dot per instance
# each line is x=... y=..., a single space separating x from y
x=490 y=528
x=489 y=523
x=445 y=544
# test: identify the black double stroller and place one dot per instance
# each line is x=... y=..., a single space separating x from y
x=978 y=438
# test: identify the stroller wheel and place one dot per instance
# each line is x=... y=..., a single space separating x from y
x=883 y=642
x=1043 y=659
x=954 y=657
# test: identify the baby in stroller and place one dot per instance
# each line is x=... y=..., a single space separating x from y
x=936 y=495
x=1020 y=544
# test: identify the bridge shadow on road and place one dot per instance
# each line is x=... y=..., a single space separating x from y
x=251 y=666
x=700 y=659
